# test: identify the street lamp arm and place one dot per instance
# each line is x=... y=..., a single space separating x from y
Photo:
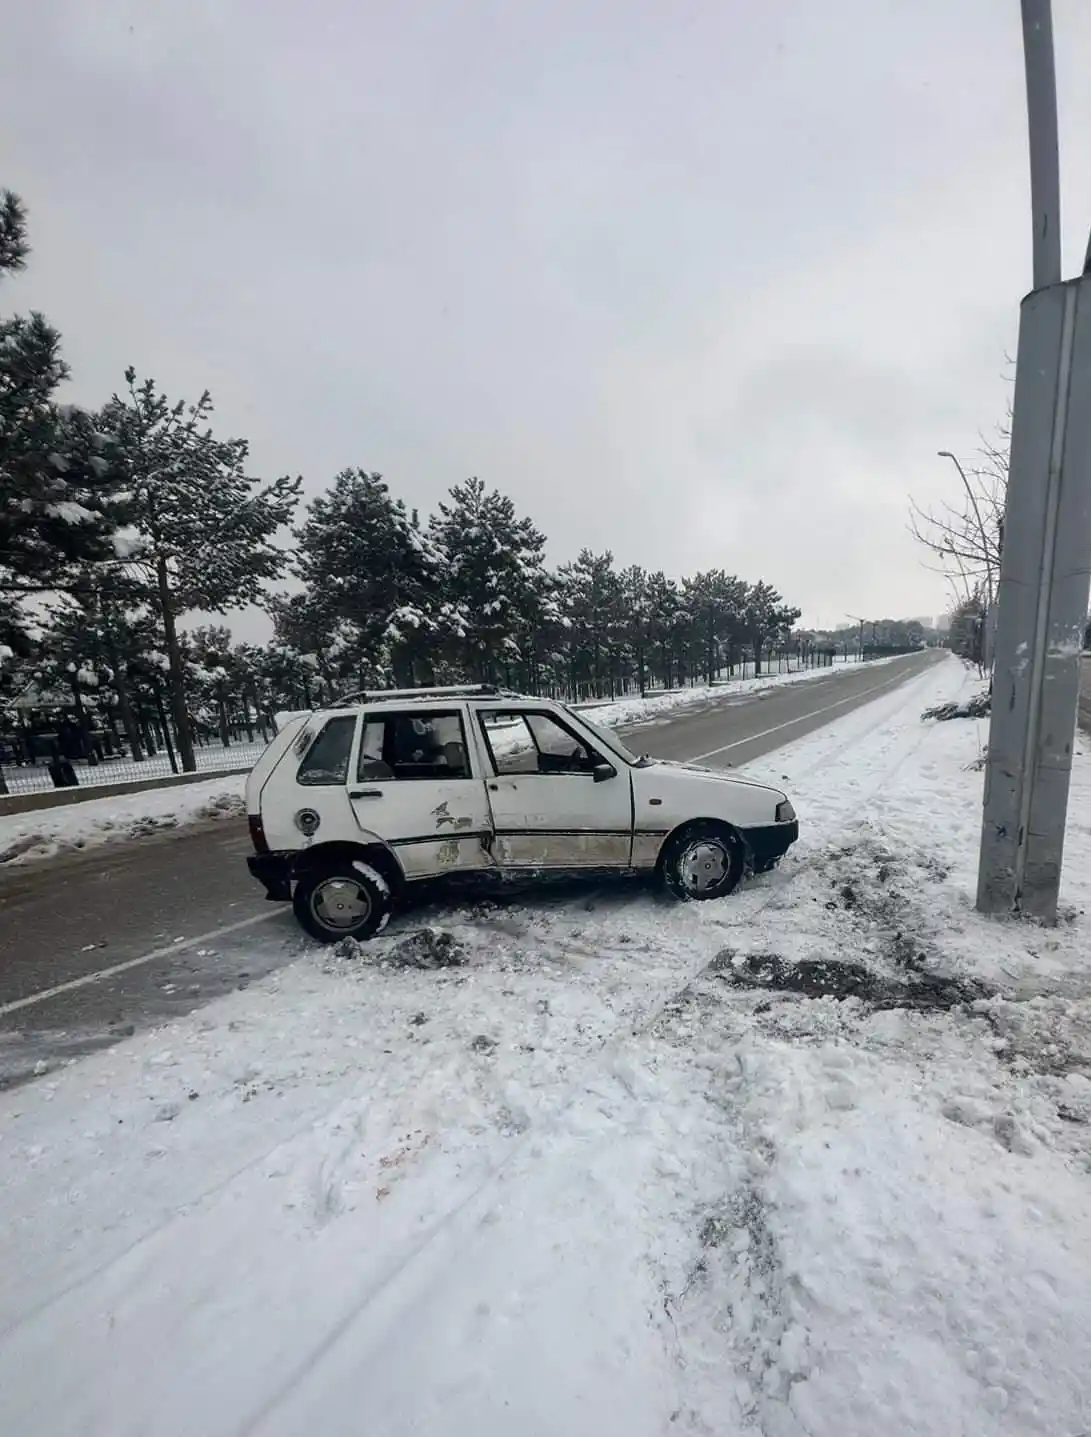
x=982 y=531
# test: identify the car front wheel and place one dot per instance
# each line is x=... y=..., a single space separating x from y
x=705 y=860
x=343 y=901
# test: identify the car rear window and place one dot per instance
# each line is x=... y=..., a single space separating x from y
x=327 y=759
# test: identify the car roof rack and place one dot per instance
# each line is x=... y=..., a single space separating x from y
x=453 y=691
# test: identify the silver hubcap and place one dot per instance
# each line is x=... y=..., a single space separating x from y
x=703 y=866
x=340 y=903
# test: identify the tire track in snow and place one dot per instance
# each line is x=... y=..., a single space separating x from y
x=591 y=1063
x=457 y=1219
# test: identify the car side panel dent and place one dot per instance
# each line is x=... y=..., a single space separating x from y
x=562 y=851
x=443 y=816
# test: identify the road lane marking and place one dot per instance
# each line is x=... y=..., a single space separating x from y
x=165 y=952
x=101 y=974
x=790 y=723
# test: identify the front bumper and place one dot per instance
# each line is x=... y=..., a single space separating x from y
x=274 y=872
x=770 y=842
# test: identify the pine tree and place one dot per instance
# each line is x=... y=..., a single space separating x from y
x=592 y=597
x=55 y=467
x=717 y=603
x=203 y=527
x=103 y=622
x=766 y=620
x=495 y=588
x=217 y=680
x=664 y=603
x=635 y=624
x=309 y=658
x=370 y=577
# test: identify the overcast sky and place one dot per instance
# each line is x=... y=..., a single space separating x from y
x=705 y=283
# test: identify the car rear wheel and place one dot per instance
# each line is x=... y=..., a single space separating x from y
x=705 y=860
x=341 y=901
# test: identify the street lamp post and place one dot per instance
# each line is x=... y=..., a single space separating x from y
x=988 y=619
x=861 y=622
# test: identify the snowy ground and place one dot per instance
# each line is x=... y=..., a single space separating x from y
x=628 y=1169
x=27 y=837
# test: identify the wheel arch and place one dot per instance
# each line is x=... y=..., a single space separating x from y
x=680 y=830
x=377 y=855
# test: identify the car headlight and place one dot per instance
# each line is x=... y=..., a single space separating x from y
x=785 y=812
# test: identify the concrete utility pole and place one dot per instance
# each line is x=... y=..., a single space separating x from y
x=1044 y=568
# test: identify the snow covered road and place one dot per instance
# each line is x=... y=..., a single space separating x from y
x=813 y=1160
x=164 y=920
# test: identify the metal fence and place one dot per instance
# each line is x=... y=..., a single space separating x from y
x=35 y=777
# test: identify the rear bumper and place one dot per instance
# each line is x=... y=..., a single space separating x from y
x=771 y=841
x=274 y=872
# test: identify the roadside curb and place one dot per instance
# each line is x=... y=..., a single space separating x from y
x=61 y=797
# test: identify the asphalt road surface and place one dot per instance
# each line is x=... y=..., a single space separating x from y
x=94 y=945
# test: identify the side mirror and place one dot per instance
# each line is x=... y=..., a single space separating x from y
x=602 y=771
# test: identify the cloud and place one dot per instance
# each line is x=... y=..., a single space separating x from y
x=702 y=284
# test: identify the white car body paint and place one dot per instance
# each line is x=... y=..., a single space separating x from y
x=488 y=819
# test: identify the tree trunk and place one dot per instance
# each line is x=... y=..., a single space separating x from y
x=177 y=674
x=225 y=736
x=164 y=728
x=150 y=745
x=757 y=658
x=125 y=707
x=81 y=718
x=128 y=722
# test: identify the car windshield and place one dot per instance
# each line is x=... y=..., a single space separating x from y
x=614 y=744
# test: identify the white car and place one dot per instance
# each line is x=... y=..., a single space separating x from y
x=352 y=807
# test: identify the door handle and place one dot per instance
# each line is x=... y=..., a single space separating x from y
x=366 y=793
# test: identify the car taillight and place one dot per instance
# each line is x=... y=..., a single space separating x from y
x=257 y=834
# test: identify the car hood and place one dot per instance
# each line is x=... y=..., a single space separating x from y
x=699 y=771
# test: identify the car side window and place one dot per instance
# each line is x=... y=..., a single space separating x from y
x=327 y=758
x=522 y=742
x=413 y=745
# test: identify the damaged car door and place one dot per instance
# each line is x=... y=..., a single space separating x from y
x=413 y=787
x=557 y=802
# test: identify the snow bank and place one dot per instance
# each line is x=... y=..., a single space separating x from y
x=627 y=1169
x=41 y=834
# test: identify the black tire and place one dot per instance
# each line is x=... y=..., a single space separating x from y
x=704 y=860
x=342 y=900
